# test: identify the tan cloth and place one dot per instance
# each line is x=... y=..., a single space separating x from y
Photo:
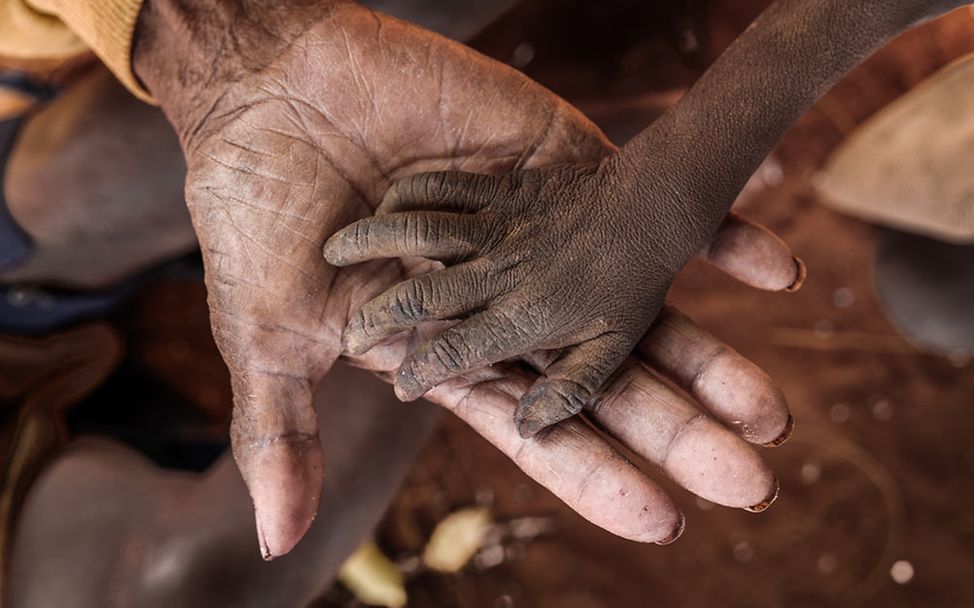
x=60 y=29
x=908 y=167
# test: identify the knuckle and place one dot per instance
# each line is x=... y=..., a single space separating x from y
x=449 y=353
x=526 y=320
x=358 y=237
x=625 y=387
x=408 y=229
x=499 y=276
x=437 y=186
x=407 y=303
x=362 y=320
x=487 y=186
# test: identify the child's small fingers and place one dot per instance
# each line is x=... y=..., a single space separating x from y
x=447 y=237
x=755 y=256
x=734 y=390
x=454 y=191
x=483 y=339
x=441 y=295
x=569 y=384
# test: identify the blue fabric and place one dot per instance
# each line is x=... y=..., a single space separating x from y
x=15 y=245
x=27 y=309
x=32 y=310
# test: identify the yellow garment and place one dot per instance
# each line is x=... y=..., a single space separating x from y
x=59 y=29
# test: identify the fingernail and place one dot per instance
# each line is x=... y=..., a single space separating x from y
x=800 y=279
x=764 y=504
x=284 y=479
x=265 y=552
x=785 y=434
x=676 y=533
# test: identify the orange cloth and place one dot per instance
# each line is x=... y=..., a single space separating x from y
x=61 y=29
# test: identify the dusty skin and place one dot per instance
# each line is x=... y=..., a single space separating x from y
x=302 y=134
x=579 y=257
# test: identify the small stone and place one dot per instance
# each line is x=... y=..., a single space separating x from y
x=840 y=413
x=484 y=497
x=771 y=173
x=811 y=471
x=843 y=297
x=456 y=539
x=902 y=572
x=489 y=557
x=743 y=552
x=824 y=328
x=504 y=601
x=882 y=410
x=523 y=55
x=827 y=563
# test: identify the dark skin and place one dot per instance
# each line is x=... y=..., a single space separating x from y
x=294 y=119
x=513 y=242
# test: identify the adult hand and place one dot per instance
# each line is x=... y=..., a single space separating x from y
x=556 y=258
x=534 y=244
x=295 y=118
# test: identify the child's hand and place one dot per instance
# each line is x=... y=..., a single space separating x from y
x=542 y=259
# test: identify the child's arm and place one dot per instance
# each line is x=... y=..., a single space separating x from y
x=580 y=258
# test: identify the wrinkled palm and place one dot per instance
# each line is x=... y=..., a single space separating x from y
x=309 y=143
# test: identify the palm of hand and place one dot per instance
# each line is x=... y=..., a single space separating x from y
x=310 y=143
x=302 y=149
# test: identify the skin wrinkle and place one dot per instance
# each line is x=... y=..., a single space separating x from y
x=293 y=437
x=678 y=203
x=607 y=399
x=687 y=424
x=698 y=374
x=281 y=479
x=585 y=481
x=359 y=190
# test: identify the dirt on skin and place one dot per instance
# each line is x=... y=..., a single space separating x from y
x=877 y=483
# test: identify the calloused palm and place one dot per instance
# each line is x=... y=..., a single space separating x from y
x=309 y=142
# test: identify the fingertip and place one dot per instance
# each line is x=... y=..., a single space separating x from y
x=332 y=251
x=717 y=465
x=265 y=552
x=285 y=480
x=785 y=433
x=769 y=500
x=395 y=193
x=528 y=427
x=677 y=532
x=388 y=200
x=753 y=255
x=537 y=411
x=353 y=340
x=407 y=387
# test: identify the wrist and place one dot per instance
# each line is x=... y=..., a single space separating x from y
x=188 y=52
x=705 y=148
